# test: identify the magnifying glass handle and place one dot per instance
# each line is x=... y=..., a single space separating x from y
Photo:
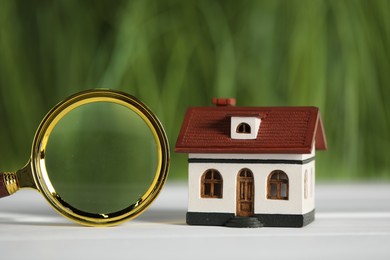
x=8 y=183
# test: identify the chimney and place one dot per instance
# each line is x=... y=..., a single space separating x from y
x=224 y=102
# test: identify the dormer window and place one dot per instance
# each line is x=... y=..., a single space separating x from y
x=244 y=126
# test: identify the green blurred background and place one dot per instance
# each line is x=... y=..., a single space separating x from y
x=174 y=54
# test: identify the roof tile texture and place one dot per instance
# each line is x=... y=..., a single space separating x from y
x=282 y=130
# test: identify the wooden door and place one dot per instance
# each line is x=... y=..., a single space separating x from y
x=245 y=193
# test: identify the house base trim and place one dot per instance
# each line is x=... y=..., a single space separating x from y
x=208 y=219
x=268 y=220
x=250 y=161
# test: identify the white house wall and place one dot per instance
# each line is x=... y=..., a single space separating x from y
x=296 y=204
x=309 y=202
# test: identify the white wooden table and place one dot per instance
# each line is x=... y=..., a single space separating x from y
x=352 y=222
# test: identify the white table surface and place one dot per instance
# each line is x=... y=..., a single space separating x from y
x=352 y=222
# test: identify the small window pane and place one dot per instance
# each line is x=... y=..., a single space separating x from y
x=273 y=191
x=282 y=176
x=216 y=175
x=283 y=190
x=207 y=189
x=218 y=190
x=243 y=128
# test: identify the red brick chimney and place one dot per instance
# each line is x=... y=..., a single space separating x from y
x=224 y=102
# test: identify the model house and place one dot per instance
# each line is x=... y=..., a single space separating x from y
x=251 y=166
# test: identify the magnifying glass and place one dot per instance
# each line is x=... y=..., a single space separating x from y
x=99 y=158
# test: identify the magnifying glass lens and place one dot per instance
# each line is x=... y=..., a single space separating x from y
x=101 y=157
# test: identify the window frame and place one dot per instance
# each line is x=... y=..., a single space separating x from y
x=213 y=181
x=278 y=183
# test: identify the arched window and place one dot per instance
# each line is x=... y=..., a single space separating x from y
x=211 y=184
x=311 y=182
x=305 y=186
x=243 y=128
x=245 y=173
x=277 y=185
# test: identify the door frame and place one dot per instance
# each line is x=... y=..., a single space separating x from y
x=245 y=193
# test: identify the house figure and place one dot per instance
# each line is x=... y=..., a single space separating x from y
x=251 y=166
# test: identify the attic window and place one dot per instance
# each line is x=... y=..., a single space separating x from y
x=243 y=128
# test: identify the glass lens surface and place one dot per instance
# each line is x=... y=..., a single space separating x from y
x=101 y=157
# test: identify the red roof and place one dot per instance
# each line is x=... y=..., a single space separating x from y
x=282 y=130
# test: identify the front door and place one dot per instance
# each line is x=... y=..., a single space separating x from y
x=245 y=193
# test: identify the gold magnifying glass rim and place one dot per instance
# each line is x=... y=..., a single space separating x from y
x=41 y=176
